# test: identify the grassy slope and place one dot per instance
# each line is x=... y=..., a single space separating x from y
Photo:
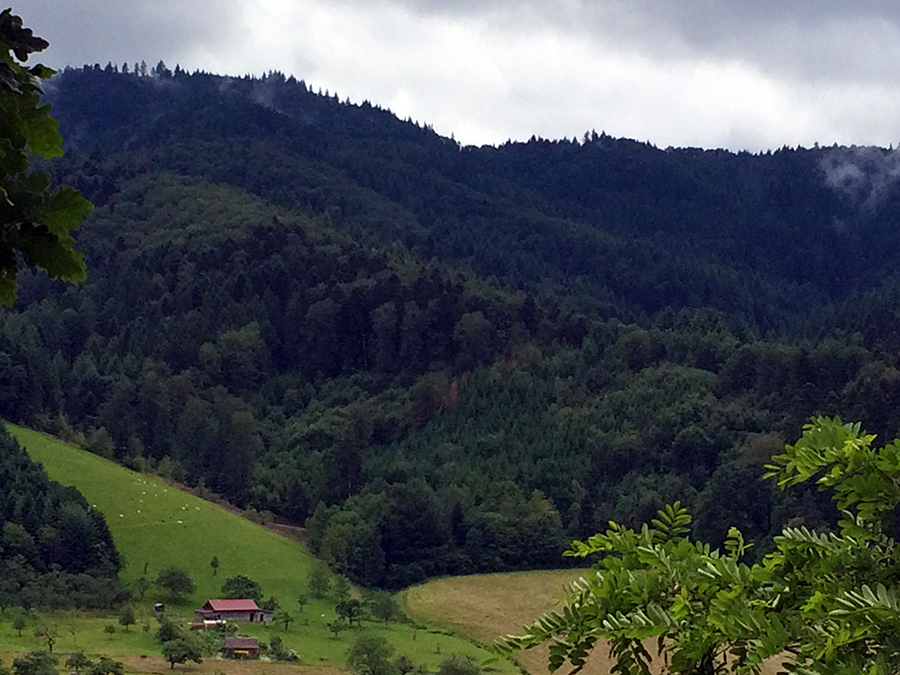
x=486 y=606
x=157 y=525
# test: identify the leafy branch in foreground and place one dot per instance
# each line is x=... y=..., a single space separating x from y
x=821 y=603
x=34 y=220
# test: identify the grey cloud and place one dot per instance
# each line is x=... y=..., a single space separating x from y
x=99 y=31
x=810 y=40
x=700 y=22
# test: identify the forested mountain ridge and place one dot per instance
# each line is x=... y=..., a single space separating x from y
x=449 y=359
x=752 y=213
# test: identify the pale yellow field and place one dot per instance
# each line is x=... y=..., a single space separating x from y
x=489 y=606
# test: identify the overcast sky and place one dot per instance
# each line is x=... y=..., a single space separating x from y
x=741 y=74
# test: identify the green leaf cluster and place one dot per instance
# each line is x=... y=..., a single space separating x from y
x=34 y=219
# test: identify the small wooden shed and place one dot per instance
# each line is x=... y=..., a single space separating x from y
x=239 y=647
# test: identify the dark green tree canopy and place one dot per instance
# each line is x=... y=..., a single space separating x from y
x=181 y=650
x=371 y=655
x=382 y=605
x=459 y=664
x=77 y=662
x=168 y=631
x=126 y=616
x=350 y=610
x=55 y=549
x=176 y=581
x=106 y=666
x=36 y=663
x=34 y=220
x=241 y=586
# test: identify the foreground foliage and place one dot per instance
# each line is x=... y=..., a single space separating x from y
x=36 y=663
x=820 y=602
x=34 y=220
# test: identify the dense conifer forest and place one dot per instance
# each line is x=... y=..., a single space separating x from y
x=449 y=359
x=55 y=550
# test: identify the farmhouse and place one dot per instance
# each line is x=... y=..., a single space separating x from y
x=241 y=647
x=233 y=609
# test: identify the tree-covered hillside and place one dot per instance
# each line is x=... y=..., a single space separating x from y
x=449 y=359
x=55 y=550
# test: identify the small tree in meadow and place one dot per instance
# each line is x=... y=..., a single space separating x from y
x=341 y=588
x=141 y=586
x=350 y=610
x=180 y=651
x=285 y=618
x=214 y=563
x=371 y=655
x=49 y=635
x=168 y=631
x=383 y=606
x=337 y=626
x=319 y=580
x=241 y=586
x=176 y=581
x=126 y=616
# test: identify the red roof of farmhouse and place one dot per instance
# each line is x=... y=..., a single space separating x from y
x=232 y=605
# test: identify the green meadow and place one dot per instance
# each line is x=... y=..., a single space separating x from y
x=156 y=525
